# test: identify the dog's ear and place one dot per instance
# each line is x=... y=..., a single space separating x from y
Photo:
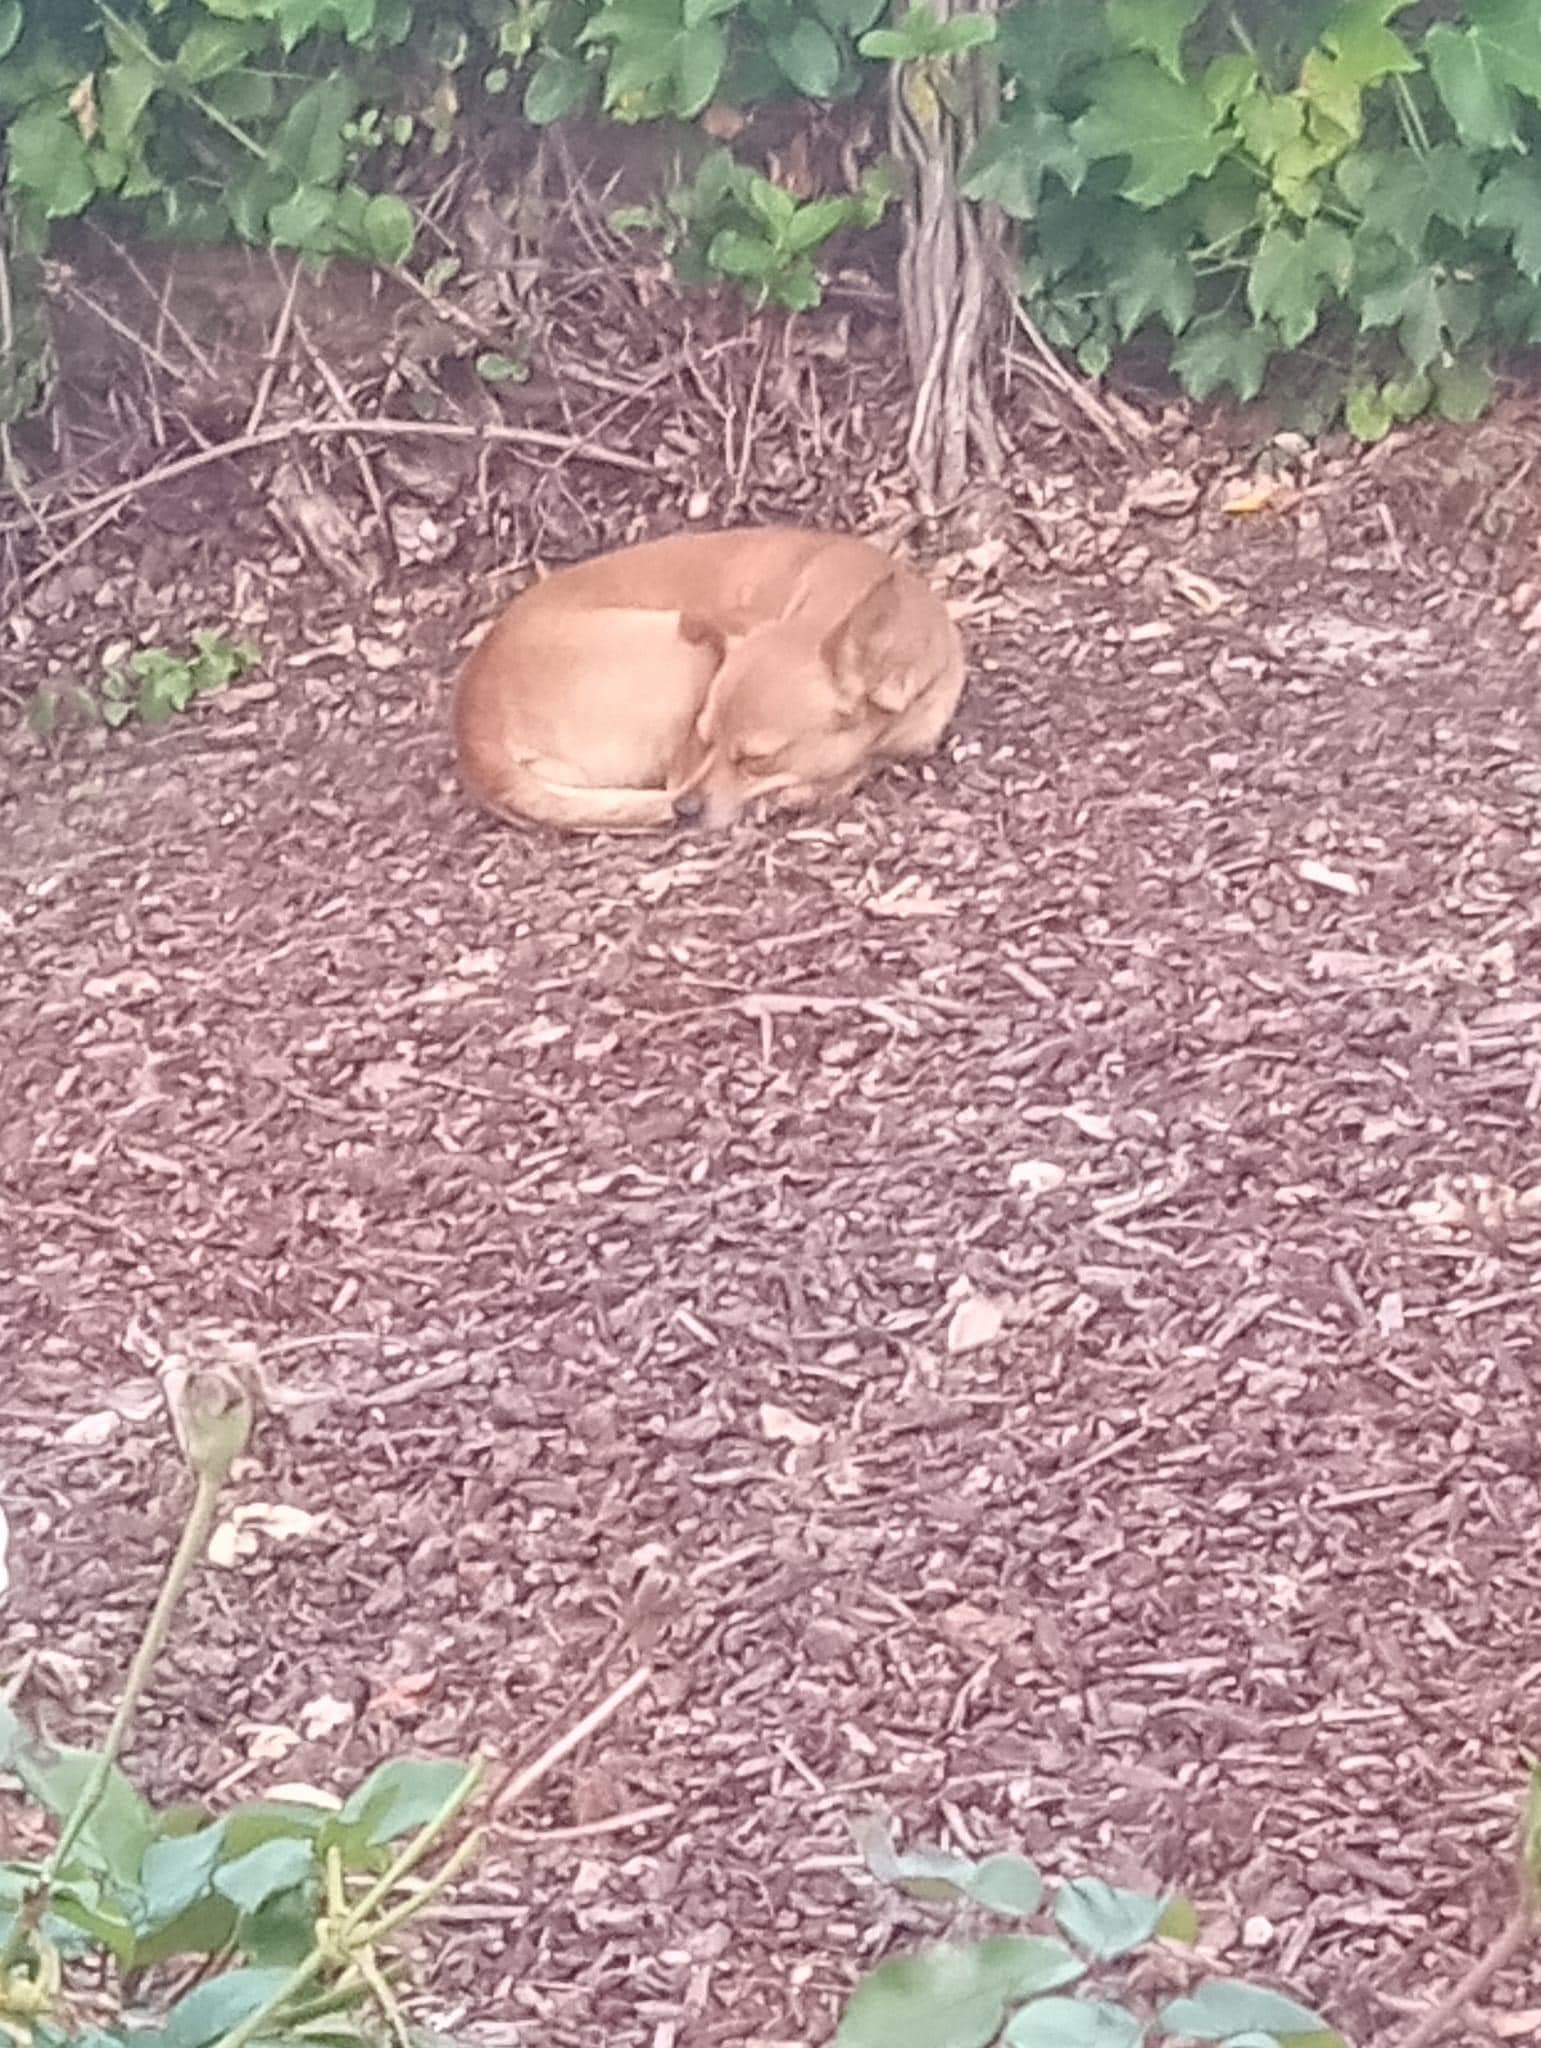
x=869 y=653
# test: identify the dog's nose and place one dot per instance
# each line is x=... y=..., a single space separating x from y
x=690 y=807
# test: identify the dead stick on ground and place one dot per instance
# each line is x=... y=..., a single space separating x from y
x=515 y=1786
x=106 y=503
x=1508 y=1942
x=259 y=404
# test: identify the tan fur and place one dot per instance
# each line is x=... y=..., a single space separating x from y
x=710 y=668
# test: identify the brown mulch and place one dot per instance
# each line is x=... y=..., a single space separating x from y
x=617 y=1201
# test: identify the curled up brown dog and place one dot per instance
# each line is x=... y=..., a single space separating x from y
x=688 y=677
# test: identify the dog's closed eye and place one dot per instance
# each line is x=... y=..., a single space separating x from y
x=756 y=754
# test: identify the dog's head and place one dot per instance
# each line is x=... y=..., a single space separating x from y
x=791 y=713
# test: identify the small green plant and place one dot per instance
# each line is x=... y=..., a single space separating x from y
x=287 y=1906
x=1014 y=1989
x=729 y=222
x=151 y=684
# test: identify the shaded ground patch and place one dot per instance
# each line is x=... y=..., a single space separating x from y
x=615 y=1199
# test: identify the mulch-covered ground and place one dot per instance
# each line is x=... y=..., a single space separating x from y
x=1020 y=1299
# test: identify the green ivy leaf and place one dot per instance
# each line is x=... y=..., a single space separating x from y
x=1168 y=131
x=1511 y=202
x=1477 y=98
x=1230 y=80
x=115 y=1837
x=1044 y=45
x=1216 y=352
x=816 y=222
x=176 y=1873
x=796 y=285
x=1073 y=2023
x=1409 y=396
x=389 y=229
x=1334 y=94
x=937 y=1999
x=1156 y=27
x=1218 y=2010
x=1178 y=1922
x=1154 y=278
x=1410 y=190
x=493 y=368
x=10 y=26
x=304 y=221
x=698 y=65
x=264 y=1872
x=1409 y=300
x=1006 y=1884
x=214 y=48
x=1509 y=35
x=1011 y=159
x=310 y=141
x=848 y=17
x=48 y=157
x=1365 y=48
x=1463 y=389
x=122 y=96
x=809 y=56
x=213 y=2008
x=394 y=1800
x=934 y=1874
x=954 y=1996
x=557 y=86
x=775 y=206
x=1289 y=272
x=1105 y=1920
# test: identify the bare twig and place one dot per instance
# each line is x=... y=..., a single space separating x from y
x=519 y=1782
x=1503 y=1948
x=275 y=350
x=356 y=448
x=107 y=503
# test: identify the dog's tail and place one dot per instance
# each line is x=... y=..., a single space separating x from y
x=521 y=794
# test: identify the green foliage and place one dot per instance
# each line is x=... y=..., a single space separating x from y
x=151 y=684
x=729 y=222
x=1014 y=1989
x=1327 y=174
x=1235 y=180
x=283 y=1906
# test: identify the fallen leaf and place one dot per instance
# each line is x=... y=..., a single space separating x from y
x=268 y=1742
x=90 y=1432
x=1264 y=494
x=404 y=1695
x=324 y=1715
x=783 y=1426
x=1035 y=1177
x=1167 y=492
x=239 y=1535
x=1329 y=878
x=1202 y=592
x=977 y=1320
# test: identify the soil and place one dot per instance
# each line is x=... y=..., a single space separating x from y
x=1018 y=1300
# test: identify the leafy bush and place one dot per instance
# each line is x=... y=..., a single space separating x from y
x=1253 y=180
x=1344 y=194
x=1014 y=1988
x=728 y=222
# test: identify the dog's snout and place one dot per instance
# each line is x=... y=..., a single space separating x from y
x=690 y=807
